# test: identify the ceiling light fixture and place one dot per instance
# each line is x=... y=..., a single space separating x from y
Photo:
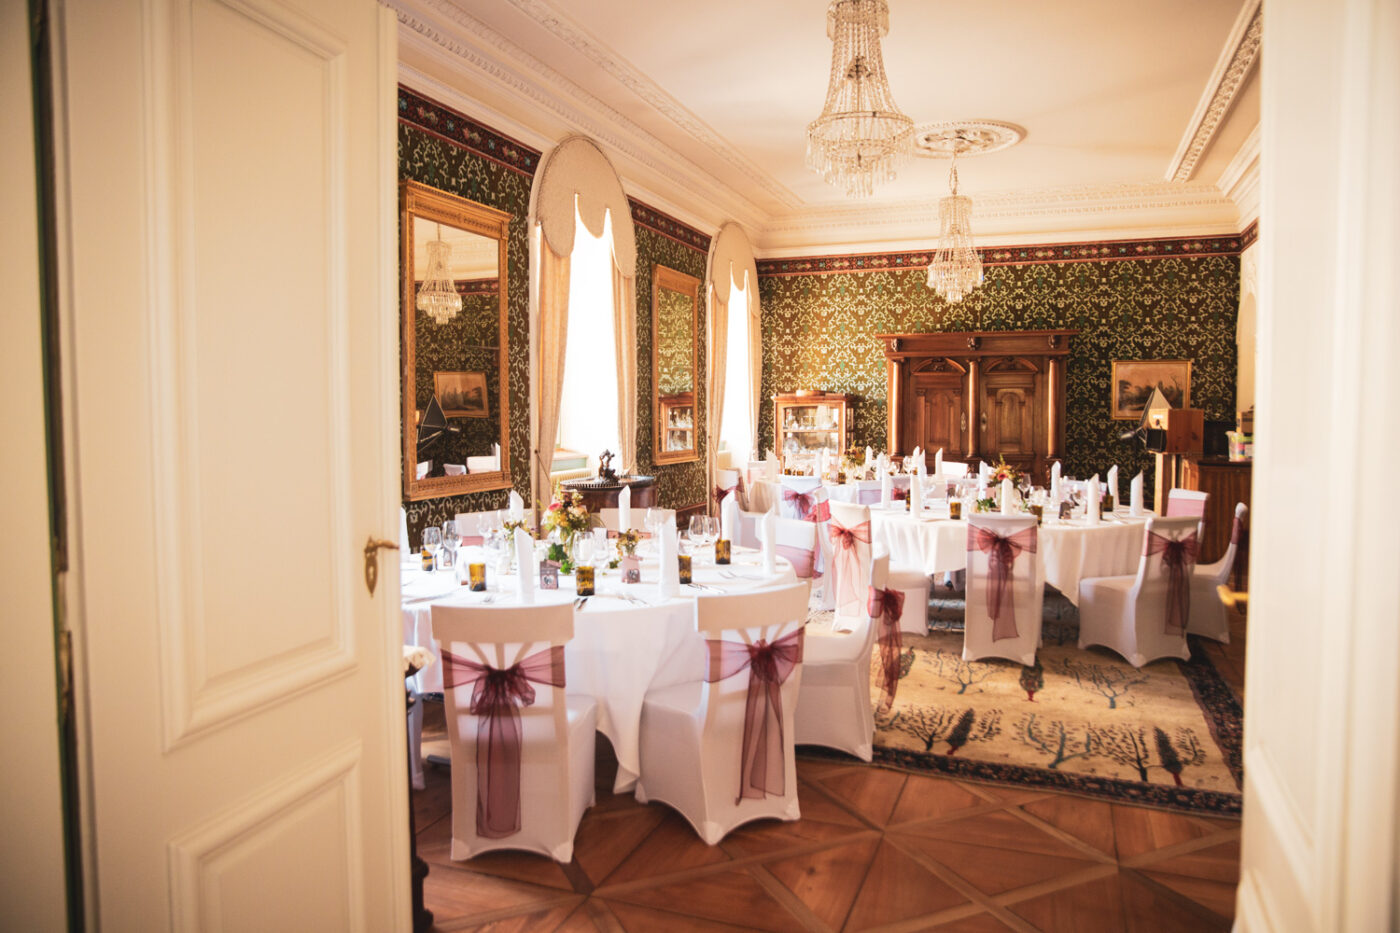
x=437 y=296
x=861 y=137
x=956 y=268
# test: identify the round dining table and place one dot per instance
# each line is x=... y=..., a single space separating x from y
x=628 y=639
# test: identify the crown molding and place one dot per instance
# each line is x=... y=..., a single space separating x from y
x=1237 y=58
x=1240 y=180
x=550 y=105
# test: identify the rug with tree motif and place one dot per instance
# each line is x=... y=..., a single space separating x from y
x=1080 y=721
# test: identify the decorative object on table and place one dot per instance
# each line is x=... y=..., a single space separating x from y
x=955 y=509
x=722 y=551
x=683 y=568
x=605 y=471
x=627 y=542
x=1001 y=470
x=631 y=566
x=549 y=574
x=1133 y=381
x=583 y=580
x=1066 y=510
x=461 y=394
x=565 y=518
x=861 y=138
x=985 y=505
x=476 y=574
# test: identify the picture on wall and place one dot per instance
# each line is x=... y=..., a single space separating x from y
x=461 y=395
x=1134 y=380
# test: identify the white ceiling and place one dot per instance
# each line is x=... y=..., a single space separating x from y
x=704 y=107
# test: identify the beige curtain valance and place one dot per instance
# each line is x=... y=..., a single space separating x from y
x=577 y=167
x=732 y=264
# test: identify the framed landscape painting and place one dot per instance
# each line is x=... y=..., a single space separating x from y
x=461 y=395
x=1134 y=380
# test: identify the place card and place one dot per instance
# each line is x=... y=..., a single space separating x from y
x=631 y=566
x=549 y=574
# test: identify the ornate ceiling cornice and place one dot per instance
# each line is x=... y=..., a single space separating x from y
x=442 y=29
x=1238 y=57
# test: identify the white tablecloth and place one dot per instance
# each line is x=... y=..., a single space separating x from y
x=1068 y=551
x=619 y=649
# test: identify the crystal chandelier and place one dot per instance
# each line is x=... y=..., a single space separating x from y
x=437 y=296
x=956 y=268
x=861 y=137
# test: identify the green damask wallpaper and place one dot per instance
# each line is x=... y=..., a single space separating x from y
x=673 y=361
x=819 y=333
x=468 y=342
x=678 y=484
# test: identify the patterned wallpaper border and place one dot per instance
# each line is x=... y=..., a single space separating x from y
x=668 y=226
x=1011 y=255
x=461 y=130
x=1250 y=234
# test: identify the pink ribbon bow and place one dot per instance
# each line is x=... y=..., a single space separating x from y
x=884 y=608
x=497 y=696
x=761 y=766
x=1178 y=557
x=808 y=508
x=1001 y=552
x=844 y=540
x=899 y=493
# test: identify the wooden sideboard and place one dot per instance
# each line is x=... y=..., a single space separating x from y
x=1228 y=482
x=979 y=395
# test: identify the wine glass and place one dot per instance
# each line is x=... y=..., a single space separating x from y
x=584 y=548
x=432 y=542
x=697 y=529
x=449 y=544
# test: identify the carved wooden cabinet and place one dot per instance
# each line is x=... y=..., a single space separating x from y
x=1228 y=483
x=805 y=422
x=979 y=396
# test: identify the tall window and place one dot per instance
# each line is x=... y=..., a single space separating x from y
x=588 y=421
x=736 y=431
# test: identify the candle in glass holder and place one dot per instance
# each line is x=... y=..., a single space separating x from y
x=684 y=560
x=476 y=575
x=583 y=580
x=955 y=509
x=1106 y=503
x=722 y=551
x=1038 y=511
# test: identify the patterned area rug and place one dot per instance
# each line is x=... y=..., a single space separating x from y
x=1086 y=722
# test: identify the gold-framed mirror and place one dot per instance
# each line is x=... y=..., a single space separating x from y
x=674 y=372
x=454 y=286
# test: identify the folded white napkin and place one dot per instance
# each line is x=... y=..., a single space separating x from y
x=869 y=457
x=1113 y=484
x=917 y=456
x=729 y=517
x=922 y=457
x=670 y=568
x=517 y=507
x=886 y=489
x=624 y=509
x=1093 y=510
x=524 y=566
x=424 y=466
x=1055 y=474
x=984 y=472
x=821 y=462
x=771 y=465
x=496 y=452
x=882 y=463
x=938 y=462
x=769 y=528
x=454 y=469
x=916 y=495
x=1006 y=493
x=1135 y=487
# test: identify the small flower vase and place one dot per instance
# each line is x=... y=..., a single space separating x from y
x=562 y=552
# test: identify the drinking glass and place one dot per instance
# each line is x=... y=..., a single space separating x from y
x=432 y=542
x=584 y=551
x=449 y=543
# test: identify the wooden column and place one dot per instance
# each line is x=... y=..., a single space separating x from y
x=974 y=409
x=1052 y=404
x=894 y=440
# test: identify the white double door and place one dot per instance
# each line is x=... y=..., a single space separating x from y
x=226 y=240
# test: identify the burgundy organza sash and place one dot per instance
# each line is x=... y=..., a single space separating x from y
x=808 y=508
x=899 y=494
x=1001 y=552
x=803 y=560
x=884 y=608
x=497 y=696
x=847 y=561
x=761 y=765
x=738 y=489
x=1178 y=557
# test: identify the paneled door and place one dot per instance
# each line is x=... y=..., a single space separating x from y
x=939 y=415
x=1009 y=418
x=227 y=289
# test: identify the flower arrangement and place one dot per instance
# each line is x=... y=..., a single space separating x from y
x=986 y=505
x=1002 y=470
x=510 y=528
x=568 y=517
x=627 y=541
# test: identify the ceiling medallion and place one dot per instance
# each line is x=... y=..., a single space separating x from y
x=965 y=137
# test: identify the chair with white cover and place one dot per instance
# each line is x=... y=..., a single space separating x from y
x=1208 y=616
x=954 y=468
x=867 y=492
x=912 y=582
x=799 y=497
x=834 y=708
x=730 y=481
x=720 y=751
x=1005 y=592
x=472 y=526
x=1143 y=616
x=797 y=544
x=522 y=750
x=1188 y=502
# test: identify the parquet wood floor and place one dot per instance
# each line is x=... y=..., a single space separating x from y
x=875 y=850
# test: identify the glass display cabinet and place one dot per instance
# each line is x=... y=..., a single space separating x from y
x=677 y=425
x=805 y=422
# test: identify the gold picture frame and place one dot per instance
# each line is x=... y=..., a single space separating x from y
x=1132 y=382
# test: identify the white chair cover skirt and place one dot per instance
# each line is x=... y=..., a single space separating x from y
x=1026 y=592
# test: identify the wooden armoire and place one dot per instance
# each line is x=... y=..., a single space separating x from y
x=979 y=396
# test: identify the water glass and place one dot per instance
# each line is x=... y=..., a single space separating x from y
x=432 y=542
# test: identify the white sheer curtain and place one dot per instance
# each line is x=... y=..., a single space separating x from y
x=588 y=410
x=736 y=430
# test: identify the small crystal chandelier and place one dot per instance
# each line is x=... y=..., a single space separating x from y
x=437 y=296
x=956 y=268
x=861 y=137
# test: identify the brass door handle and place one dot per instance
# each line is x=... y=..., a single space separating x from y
x=372 y=548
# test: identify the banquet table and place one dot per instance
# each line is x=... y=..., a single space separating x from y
x=1069 y=550
x=620 y=649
